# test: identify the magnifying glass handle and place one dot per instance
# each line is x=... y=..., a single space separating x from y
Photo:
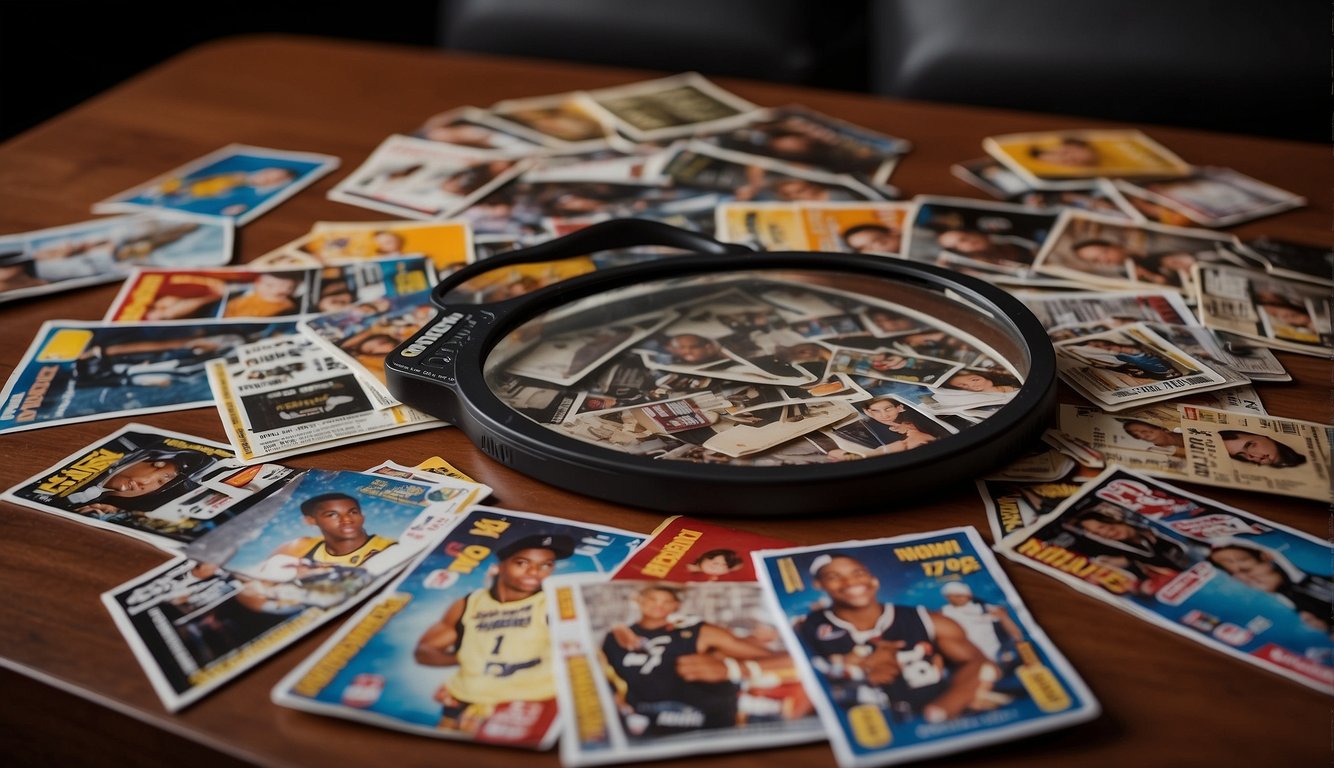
x=603 y=236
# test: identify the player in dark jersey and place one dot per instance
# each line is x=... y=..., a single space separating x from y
x=903 y=659
x=675 y=677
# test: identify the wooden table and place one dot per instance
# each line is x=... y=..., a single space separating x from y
x=75 y=689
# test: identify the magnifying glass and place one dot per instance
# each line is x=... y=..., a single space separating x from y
x=733 y=382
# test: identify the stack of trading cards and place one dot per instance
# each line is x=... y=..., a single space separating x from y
x=1228 y=579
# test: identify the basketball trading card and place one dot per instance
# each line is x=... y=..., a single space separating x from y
x=1068 y=159
x=1112 y=253
x=1290 y=457
x=238 y=181
x=918 y=646
x=1230 y=580
x=420 y=179
x=654 y=669
x=105 y=250
x=79 y=371
x=672 y=106
x=305 y=556
x=458 y=647
x=1220 y=197
x=163 y=487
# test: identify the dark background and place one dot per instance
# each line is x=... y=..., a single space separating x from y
x=1238 y=66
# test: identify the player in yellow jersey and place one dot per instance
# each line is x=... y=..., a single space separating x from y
x=497 y=636
x=319 y=570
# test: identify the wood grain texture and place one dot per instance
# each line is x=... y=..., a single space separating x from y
x=1166 y=700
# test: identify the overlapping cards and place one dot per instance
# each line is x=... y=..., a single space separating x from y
x=1225 y=578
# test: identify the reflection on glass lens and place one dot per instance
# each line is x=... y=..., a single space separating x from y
x=762 y=368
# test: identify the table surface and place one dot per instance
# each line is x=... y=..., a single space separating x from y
x=1165 y=699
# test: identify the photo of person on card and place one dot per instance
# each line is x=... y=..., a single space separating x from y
x=497 y=636
x=915 y=663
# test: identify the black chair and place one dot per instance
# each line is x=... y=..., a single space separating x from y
x=1237 y=66
x=790 y=41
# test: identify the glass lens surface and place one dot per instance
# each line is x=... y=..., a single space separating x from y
x=761 y=367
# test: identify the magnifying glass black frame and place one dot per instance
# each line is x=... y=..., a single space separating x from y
x=440 y=371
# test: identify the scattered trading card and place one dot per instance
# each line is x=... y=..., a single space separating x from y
x=751 y=178
x=421 y=179
x=1146 y=209
x=653 y=669
x=1297 y=261
x=1103 y=197
x=1227 y=579
x=476 y=129
x=1257 y=452
x=918 y=646
x=991 y=177
x=565 y=121
x=886 y=424
x=1015 y=503
x=861 y=227
x=164 y=487
x=458 y=647
x=995 y=241
x=684 y=549
x=266 y=579
x=285 y=395
x=1220 y=197
x=105 y=250
x=522 y=208
x=1284 y=314
x=672 y=106
x=1132 y=365
x=1101 y=251
x=237 y=181
x=447 y=244
x=568 y=357
x=80 y=371
x=1117 y=308
x=1068 y=159
x=362 y=335
x=238 y=292
x=801 y=136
